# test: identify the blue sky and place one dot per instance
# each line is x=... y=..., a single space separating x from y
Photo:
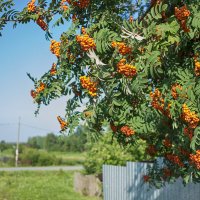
x=23 y=50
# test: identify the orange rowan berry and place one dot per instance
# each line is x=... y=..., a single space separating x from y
x=63 y=6
x=182 y=14
x=184 y=152
x=127 y=131
x=174 y=90
x=42 y=23
x=195 y=159
x=158 y=103
x=33 y=93
x=122 y=48
x=154 y=2
x=74 y=18
x=188 y=132
x=175 y=159
x=88 y=84
x=63 y=124
x=55 y=47
x=151 y=150
x=86 y=42
x=197 y=68
x=40 y=88
x=157 y=100
x=131 y=19
x=166 y=172
x=31 y=6
x=167 y=143
x=113 y=127
x=163 y=14
x=126 y=69
x=83 y=30
x=81 y=3
x=189 y=117
x=53 y=70
x=146 y=178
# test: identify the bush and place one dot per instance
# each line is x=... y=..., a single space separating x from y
x=36 y=158
x=108 y=151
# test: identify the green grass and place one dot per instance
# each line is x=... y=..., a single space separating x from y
x=68 y=158
x=38 y=185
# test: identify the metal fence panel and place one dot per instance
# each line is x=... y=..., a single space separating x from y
x=114 y=183
x=126 y=183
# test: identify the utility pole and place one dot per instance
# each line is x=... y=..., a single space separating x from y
x=17 y=149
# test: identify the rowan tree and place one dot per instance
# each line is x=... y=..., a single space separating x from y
x=133 y=64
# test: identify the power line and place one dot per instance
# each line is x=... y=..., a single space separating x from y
x=6 y=124
x=37 y=128
x=27 y=125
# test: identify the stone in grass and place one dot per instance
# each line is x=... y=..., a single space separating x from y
x=88 y=185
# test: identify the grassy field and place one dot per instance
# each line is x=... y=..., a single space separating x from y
x=68 y=158
x=42 y=185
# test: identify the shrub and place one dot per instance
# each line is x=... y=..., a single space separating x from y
x=36 y=158
x=108 y=151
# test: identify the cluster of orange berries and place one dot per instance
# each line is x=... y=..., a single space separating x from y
x=175 y=159
x=189 y=117
x=174 y=90
x=122 y=48
x=166 y=172
x=31 y=6
x=158 y=102
x=151 y=150
x=184 y=152
x=167 y=143
x=83 y=30
x=154 y=2
x=41 y=87
x=126 y=69
x=63 y=6
x=195 y=159
x=63 y=124
x=146 y=178
x=33 y=94
x=38 y=90
x=86 y=42
x=127 y=131
x=53 y=69
x=197 y=67
x=74 y=17
x=70 y=55
x=55 y=47
x=182 y=14
x=81 y=3
x=42 y=23
x=131 y=19
x=88 y=84
x=188 y=132
x=113 y=127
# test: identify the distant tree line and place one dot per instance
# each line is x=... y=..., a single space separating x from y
x=74 y=143
x=4 y=146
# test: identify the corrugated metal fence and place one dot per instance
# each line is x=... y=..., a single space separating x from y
x=126 y=183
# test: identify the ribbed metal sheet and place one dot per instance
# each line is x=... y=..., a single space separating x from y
x=126 y=183
x=114 y=182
